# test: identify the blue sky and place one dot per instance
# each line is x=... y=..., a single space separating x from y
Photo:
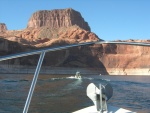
x=109 y=19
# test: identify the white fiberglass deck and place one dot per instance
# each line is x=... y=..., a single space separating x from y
x=111 y=109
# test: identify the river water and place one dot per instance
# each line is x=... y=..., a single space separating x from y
x=65 y=94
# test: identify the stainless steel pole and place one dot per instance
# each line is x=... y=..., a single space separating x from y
x=100 y=93
x=34 y=82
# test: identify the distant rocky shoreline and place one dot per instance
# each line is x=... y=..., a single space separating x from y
x=17 y=69
x=137 y=71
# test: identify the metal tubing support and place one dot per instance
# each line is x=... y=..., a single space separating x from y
x=34 y=82
x=100 y=93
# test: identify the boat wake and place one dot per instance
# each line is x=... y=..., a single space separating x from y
x=82 y=78
x=53 y=79
x=72 y=77
x=73 y=85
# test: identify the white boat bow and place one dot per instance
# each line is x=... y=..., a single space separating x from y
x=111 y=109
x=100 y=96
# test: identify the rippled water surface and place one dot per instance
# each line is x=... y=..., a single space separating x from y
x=64 y=93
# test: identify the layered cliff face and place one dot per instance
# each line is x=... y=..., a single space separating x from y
x=3 y=27
x=63 y=27
x=57 y=18
x=126 y=59
x=8 y=47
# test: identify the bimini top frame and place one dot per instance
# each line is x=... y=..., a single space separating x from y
x=42 y=54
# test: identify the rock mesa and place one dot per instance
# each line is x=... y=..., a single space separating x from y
x=57 y=18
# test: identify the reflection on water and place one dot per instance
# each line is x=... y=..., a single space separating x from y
x=64 y=93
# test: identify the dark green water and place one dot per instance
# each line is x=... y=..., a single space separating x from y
x=65 y=94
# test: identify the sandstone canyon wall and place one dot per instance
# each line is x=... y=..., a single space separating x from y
x=126 y=59
x=67 y=26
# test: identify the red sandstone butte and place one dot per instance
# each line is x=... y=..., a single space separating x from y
x=57 y=18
